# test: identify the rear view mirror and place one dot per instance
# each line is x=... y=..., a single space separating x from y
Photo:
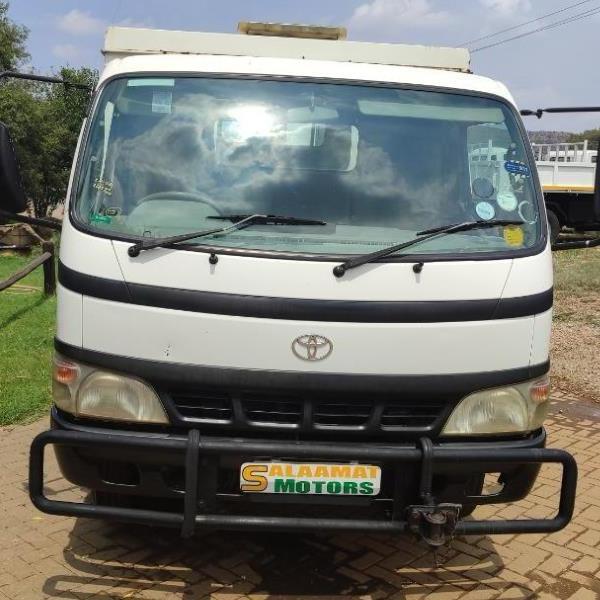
x=12 y=196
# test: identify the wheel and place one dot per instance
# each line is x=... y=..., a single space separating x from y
x=554 y=225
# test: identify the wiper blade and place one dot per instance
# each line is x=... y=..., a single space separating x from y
x=239 y=222
x=268 y=219
x=135 y=249
x=470 y=225
x=425 y=235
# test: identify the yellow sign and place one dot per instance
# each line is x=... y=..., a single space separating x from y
x=310 y=478
x=514 y=236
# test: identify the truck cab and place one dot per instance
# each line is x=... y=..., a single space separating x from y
x=287 y=289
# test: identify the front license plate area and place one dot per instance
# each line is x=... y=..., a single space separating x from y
x=324 y=479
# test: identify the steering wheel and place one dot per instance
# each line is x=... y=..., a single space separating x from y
x=178 y=195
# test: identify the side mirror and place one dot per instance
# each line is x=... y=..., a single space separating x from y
x=12 y=196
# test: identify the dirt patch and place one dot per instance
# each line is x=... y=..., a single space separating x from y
x=575 y=349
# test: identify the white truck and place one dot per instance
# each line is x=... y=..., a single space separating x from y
x=286 y=299
x=568 y=173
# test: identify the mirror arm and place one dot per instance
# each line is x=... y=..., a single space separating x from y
x=576 y=244
x=49 y=222
x=558 y=110
x=43 y=78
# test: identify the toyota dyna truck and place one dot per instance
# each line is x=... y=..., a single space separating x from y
x=287 y=298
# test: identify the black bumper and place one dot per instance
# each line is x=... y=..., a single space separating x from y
x=195 y=455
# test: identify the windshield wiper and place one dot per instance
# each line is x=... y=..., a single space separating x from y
x=423 y=236
x=240 y=222
x=268 y=219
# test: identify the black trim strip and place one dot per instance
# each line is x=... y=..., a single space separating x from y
x=430 y=385
x=300 y=309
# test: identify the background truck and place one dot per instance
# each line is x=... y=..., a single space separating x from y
x=568 y=177
x=290 y=299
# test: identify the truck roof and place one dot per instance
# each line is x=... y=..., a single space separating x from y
x=126 y=41
x=131 y=50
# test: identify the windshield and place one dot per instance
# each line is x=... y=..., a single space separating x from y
x=377 y=164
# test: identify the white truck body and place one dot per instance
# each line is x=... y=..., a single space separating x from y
x=174 y=336
x=567 y=167
x=282 y=271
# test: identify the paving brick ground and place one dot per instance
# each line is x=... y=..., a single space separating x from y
x=54 y=557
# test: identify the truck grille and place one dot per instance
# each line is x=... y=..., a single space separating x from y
x=245 y=410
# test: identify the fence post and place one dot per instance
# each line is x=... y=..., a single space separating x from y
x=49 y=269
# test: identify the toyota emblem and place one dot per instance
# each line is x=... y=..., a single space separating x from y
x=312 y=347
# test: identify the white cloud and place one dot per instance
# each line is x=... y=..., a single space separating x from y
x=77 y=22
x=507 y=8
x=129 y=22
x=66 y=51
x=387 y=14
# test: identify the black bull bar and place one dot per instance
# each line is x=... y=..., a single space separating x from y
x=193 y=448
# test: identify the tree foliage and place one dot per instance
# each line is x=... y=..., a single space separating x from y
x=592 y=135
x=44 y=119
x=12 y=41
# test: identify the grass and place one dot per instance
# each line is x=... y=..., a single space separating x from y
x=577 y=271
x=26 y=344
x=576 y=331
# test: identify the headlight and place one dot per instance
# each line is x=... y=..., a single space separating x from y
x=517 y=408
x=87 y=392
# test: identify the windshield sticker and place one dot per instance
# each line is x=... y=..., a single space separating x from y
x=161 y=101
x=151 y=83
x=485 y=211
x=516 y=167
x=483 y=187
x=514 y=236
x=98 y=218
x=103 y=186
x=507 y=201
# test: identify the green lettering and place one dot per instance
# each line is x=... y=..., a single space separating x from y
x=366 y=488
x=284 y=486
x=334 y=487
x=302 y=487
x=319 y=486
x=350 y=487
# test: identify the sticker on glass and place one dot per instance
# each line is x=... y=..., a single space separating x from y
x=482 y=187
x=98 y=218
x=161 y=101
x=514 y=236
x=485 y=211
x=153 y=82
x=507 y=201
x=516 y=167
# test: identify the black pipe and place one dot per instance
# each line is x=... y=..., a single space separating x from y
x=296 y=449
x=43 y=78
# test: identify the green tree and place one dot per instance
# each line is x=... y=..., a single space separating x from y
x=63 y=109
x=44 y=119
x=592 y=135
x=13 y=37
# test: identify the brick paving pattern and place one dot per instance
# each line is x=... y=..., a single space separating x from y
x=56 y=557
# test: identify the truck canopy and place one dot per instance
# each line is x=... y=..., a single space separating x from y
x=126 y=41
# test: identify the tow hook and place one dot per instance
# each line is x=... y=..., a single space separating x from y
x=434 y=524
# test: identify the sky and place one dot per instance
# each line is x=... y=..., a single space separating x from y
x=557 y=67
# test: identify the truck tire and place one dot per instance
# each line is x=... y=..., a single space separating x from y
x=554 y=225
